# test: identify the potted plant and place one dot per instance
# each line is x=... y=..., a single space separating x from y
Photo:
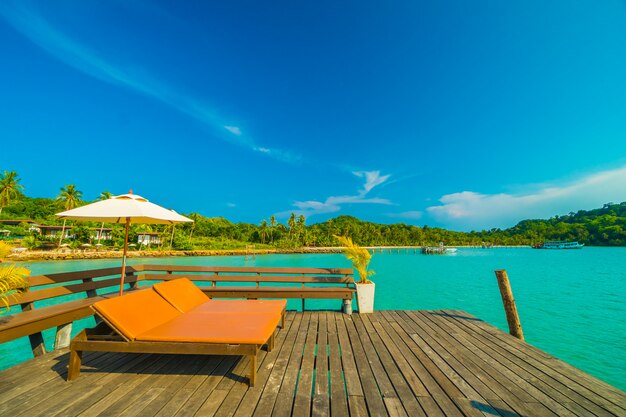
x=12 y=279
x=360 y=258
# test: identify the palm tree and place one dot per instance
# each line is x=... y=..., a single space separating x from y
x=71 y=198
x=263 y=230
x=272 y=226
x=300 y=222
x=10 y=188
x=194 y=217
x=105 y=195
x=292 y=224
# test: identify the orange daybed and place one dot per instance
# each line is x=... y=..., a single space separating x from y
x=146 y=322
x=186 y=297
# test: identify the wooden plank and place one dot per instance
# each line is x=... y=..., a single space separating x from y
x=338 y=397
x=178 y=400
x=440 y=389
x=212 y=403
x=38 y=280
x=372 y=394
x=28 y=322
x=358 y=406
x=442 y=371
x=545 y=389
x=57 y=399
x=234 y=400
x=470 y=384
x=458 y=365
x=497 y=378
x=278 y=292
x=134 y=387
x=485 y=382
x=378 y=325
x=321 y=397
x=33 y=391
x=404 y=392
x=385 y=385
x=253 y=278
x=302 y=402
x=186 y=369
x=271 y=388
x=248 y=269
x=586 y=385
x=59 y=291
x=351 y=374
x=286 y=394
x=204 y=389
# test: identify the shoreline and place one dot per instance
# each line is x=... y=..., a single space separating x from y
x=55 y=255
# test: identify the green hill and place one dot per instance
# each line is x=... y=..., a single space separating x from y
x=604 y=226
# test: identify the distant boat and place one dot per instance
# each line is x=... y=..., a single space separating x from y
x=437 y=250
x=559 y=244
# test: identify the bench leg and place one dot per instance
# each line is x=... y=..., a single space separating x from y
x=347 y=306
x=74 y=367
x=270 y=342
x=62 y=338
x=303 y=305
x=252 y=379
x=282 y=320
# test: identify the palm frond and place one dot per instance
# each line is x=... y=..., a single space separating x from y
x=5 y=249
x=360 y=258
x=12 y=283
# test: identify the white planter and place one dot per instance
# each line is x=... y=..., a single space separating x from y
x=365 y=297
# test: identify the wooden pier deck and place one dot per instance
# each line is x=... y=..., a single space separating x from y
x=396 y=363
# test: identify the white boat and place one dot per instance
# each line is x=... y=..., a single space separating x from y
x=560 y=244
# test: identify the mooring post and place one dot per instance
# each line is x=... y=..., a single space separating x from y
x=515 y=327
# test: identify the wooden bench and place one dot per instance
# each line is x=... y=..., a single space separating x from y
x=32 y=320
x=220 y=282
x=263 y=282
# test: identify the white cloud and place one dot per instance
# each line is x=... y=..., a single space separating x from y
x=234 y=130
x=334 y=203
x=372 y=179
x=471 y=210
x=231 y=205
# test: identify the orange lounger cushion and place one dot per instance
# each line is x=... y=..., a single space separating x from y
x=181 y=293
x=241 y=328
x=136 y=312
x=242 y=306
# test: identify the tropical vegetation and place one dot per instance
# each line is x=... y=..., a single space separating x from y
x=359 y=256
x=604 y=226
x=12 y=279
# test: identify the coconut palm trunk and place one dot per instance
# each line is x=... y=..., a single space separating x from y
x=62 y=233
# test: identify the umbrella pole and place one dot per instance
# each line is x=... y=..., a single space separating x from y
x=124 y=257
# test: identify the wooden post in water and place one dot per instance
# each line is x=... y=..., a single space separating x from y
x=515 y=327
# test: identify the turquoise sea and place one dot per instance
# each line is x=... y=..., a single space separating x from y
x=572 y=304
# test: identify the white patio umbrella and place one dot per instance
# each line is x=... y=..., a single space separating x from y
x=127 y=208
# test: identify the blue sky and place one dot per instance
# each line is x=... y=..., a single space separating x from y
x=467 y=115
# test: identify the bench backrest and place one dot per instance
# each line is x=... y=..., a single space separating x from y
x=253 y=275
x=85 y=283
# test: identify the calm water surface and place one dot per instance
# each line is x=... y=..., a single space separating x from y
x=572 y=304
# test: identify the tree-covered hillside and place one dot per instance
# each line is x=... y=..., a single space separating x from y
x=605 y=226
